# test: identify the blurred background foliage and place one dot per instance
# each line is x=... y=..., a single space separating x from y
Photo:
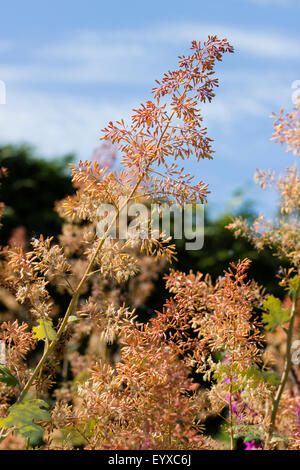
x=30 y=189
x=34 y=184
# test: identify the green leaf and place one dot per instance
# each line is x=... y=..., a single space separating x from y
x=22 y=417
x=294 y=284
x=73 y=319
x=258 y=375
x=249 y=433
x=45 y=330
x=270 y=377
x=7 y=377
x=275 y=315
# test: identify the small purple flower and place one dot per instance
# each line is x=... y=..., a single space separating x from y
x=253 y=445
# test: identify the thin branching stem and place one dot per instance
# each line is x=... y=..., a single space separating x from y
x=230 y=416
x=285 y=373
x=89 y=268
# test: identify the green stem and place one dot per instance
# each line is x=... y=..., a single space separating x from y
x=77 y=292
x=285 y=373
x=230 y=416
x=69 y=310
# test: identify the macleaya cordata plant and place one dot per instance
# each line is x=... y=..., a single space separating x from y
x=219 y=348
x=282 y=235
x=227 y=349
x=146 y=399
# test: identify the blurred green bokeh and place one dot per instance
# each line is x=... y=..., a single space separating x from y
x=30 y=190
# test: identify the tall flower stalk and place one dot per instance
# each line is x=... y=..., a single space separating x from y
x=170 y=127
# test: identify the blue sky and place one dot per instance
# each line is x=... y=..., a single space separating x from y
x=72 y=66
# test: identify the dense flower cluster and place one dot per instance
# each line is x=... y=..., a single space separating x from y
x=218 y=349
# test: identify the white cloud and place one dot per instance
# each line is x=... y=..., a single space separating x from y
x=88 y=45
x=83 y=57
x=257 y=43
x=131 y=56
x=58 y=121
x=131 y=44
x=56 y=124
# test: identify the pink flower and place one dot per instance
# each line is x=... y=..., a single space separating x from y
x=253 y=445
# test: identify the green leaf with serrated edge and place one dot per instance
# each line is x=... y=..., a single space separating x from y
x=294 y=284
x=45 y=330
x=22 y=417
x=7 y=377
x=275 y=315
